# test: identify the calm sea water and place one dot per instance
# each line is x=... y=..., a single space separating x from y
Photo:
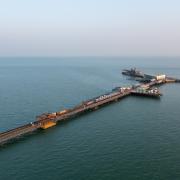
x=136 y=138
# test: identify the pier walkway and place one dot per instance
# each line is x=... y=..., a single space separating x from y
x=15 y=133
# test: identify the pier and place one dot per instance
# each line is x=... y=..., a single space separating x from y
x=48 y=120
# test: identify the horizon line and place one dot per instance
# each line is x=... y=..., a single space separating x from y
x=91 y=56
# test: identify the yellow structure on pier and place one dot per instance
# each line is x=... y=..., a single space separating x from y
x=48 y=124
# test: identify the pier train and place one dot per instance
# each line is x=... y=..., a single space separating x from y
x=116 y=91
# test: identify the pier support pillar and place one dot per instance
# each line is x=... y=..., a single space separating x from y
x=96 y=107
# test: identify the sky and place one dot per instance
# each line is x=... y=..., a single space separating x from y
x=89 y=28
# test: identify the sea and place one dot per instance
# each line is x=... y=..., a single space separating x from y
x=136 y=138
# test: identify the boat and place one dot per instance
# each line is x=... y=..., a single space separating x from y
x=133 y=72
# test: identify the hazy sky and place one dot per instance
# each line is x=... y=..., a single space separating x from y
x=89 y=27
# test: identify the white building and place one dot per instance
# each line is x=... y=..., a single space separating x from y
x=161 y=77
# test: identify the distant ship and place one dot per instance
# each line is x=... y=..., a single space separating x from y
x=133 y=72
